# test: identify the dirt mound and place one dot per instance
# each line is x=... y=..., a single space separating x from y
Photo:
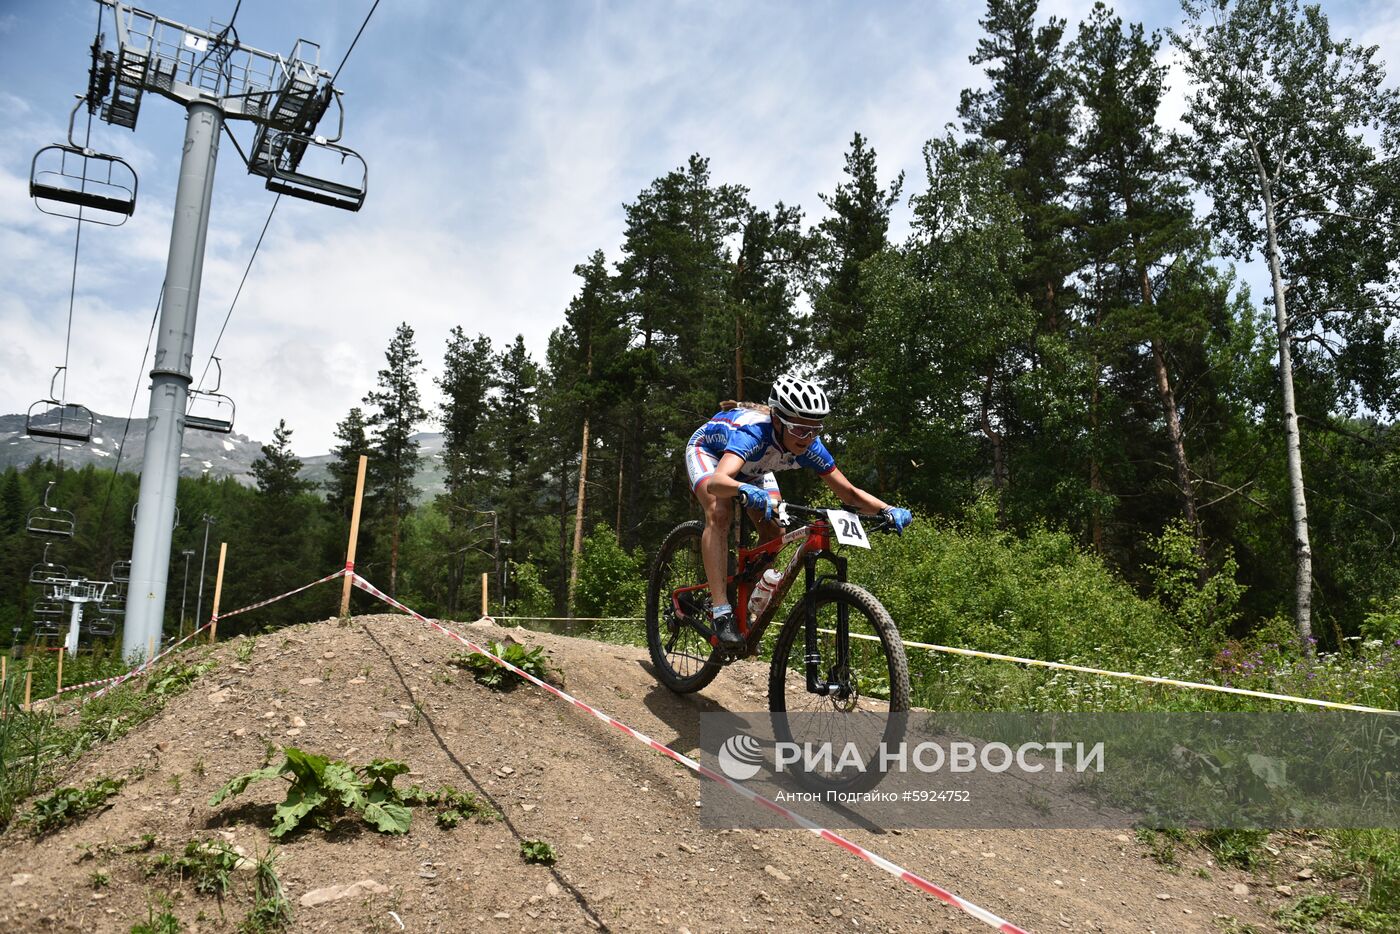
x=623 y=819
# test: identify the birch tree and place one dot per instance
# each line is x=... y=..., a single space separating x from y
x=1281 y=113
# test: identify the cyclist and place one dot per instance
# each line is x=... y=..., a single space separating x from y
x=734 y=456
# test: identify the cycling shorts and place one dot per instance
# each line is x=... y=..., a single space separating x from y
x=700 y=464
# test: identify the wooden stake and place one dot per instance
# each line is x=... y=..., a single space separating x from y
x=150 y=649
x=4 y=672
x=62 y=652
x=354 y=537
x=28 y=679
x=218 y=592
x=484 y=578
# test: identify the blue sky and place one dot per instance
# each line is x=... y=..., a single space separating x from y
x=502 y=141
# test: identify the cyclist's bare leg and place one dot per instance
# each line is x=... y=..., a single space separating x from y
x=767 y=528
x=714 y=540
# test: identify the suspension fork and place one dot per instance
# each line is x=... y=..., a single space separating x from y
x=815 y=684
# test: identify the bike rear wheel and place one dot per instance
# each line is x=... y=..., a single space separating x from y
x=874 y=678
x=683 y=660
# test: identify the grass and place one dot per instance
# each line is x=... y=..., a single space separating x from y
x=69 y=805
x=35 y=745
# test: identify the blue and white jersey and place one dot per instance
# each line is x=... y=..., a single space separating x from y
x=749 y=433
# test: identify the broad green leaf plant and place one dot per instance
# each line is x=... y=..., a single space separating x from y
x=321 y=790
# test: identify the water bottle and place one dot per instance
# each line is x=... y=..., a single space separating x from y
x=763 y=592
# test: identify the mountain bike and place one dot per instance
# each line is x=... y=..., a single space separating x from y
x=838 y=650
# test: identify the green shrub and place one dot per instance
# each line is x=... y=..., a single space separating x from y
x=532 y=597
x=611 y=582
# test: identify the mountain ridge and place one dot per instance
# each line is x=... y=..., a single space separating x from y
x=204 y=453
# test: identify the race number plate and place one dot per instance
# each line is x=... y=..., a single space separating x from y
x=847 y=527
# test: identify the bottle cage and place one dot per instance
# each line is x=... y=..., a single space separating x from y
x=51 y=420
x=66 y=179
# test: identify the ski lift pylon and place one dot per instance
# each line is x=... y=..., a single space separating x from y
x=66 y=180
x=208 y=409
x=56 y=420
x=50 y=521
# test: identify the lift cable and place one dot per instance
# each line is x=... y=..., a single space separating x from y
x=130 y=411
x=353 y=41
x=241 y=282
x=272 y=211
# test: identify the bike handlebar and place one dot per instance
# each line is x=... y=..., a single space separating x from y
x=879 y=522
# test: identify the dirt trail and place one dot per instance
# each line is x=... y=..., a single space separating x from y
x=632 y=856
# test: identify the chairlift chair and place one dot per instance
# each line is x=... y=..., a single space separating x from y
x=48 y=626
x=50 y=521
x=55 y=420
x=100 y=627
x=113 y=602
x=338 y=177
x=68 y=180
x=121 y=572
x=209 y=409
x=134 y=506
x=46 y=571
x=47 y=607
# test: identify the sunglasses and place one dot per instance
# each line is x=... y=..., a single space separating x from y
x=800 y=432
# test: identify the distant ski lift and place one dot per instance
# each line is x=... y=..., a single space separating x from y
x=50 y=521
x=113 y=602
x=208 y=409
x=48 y=626
x=47 y=607
x=100 y=627
x=46 y=571
x=68 y=180
x=54 y=420
x=336 y=175
x=121 y=571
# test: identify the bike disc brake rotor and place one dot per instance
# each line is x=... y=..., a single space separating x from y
x=852 y=694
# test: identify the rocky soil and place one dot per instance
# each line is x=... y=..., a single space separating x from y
x=632 y=855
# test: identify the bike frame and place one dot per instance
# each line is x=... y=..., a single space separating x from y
x=815 y=538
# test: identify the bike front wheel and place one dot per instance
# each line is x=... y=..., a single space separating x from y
x=683 y=660
x=864 y=689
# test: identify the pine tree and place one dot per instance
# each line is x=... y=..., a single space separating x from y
x=396 y=410
x=345 y=466
x=855 y=230
x=276 y=471
x=1025 y=116
x=515 y=435
x=1135 y=223
x=468 y=378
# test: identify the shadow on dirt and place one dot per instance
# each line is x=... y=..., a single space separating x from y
x=477 y=787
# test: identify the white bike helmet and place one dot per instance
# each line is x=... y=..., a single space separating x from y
x=798 y=398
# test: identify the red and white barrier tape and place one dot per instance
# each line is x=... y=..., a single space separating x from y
x=150 y=663
x=262 y=603
x=981 y=914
